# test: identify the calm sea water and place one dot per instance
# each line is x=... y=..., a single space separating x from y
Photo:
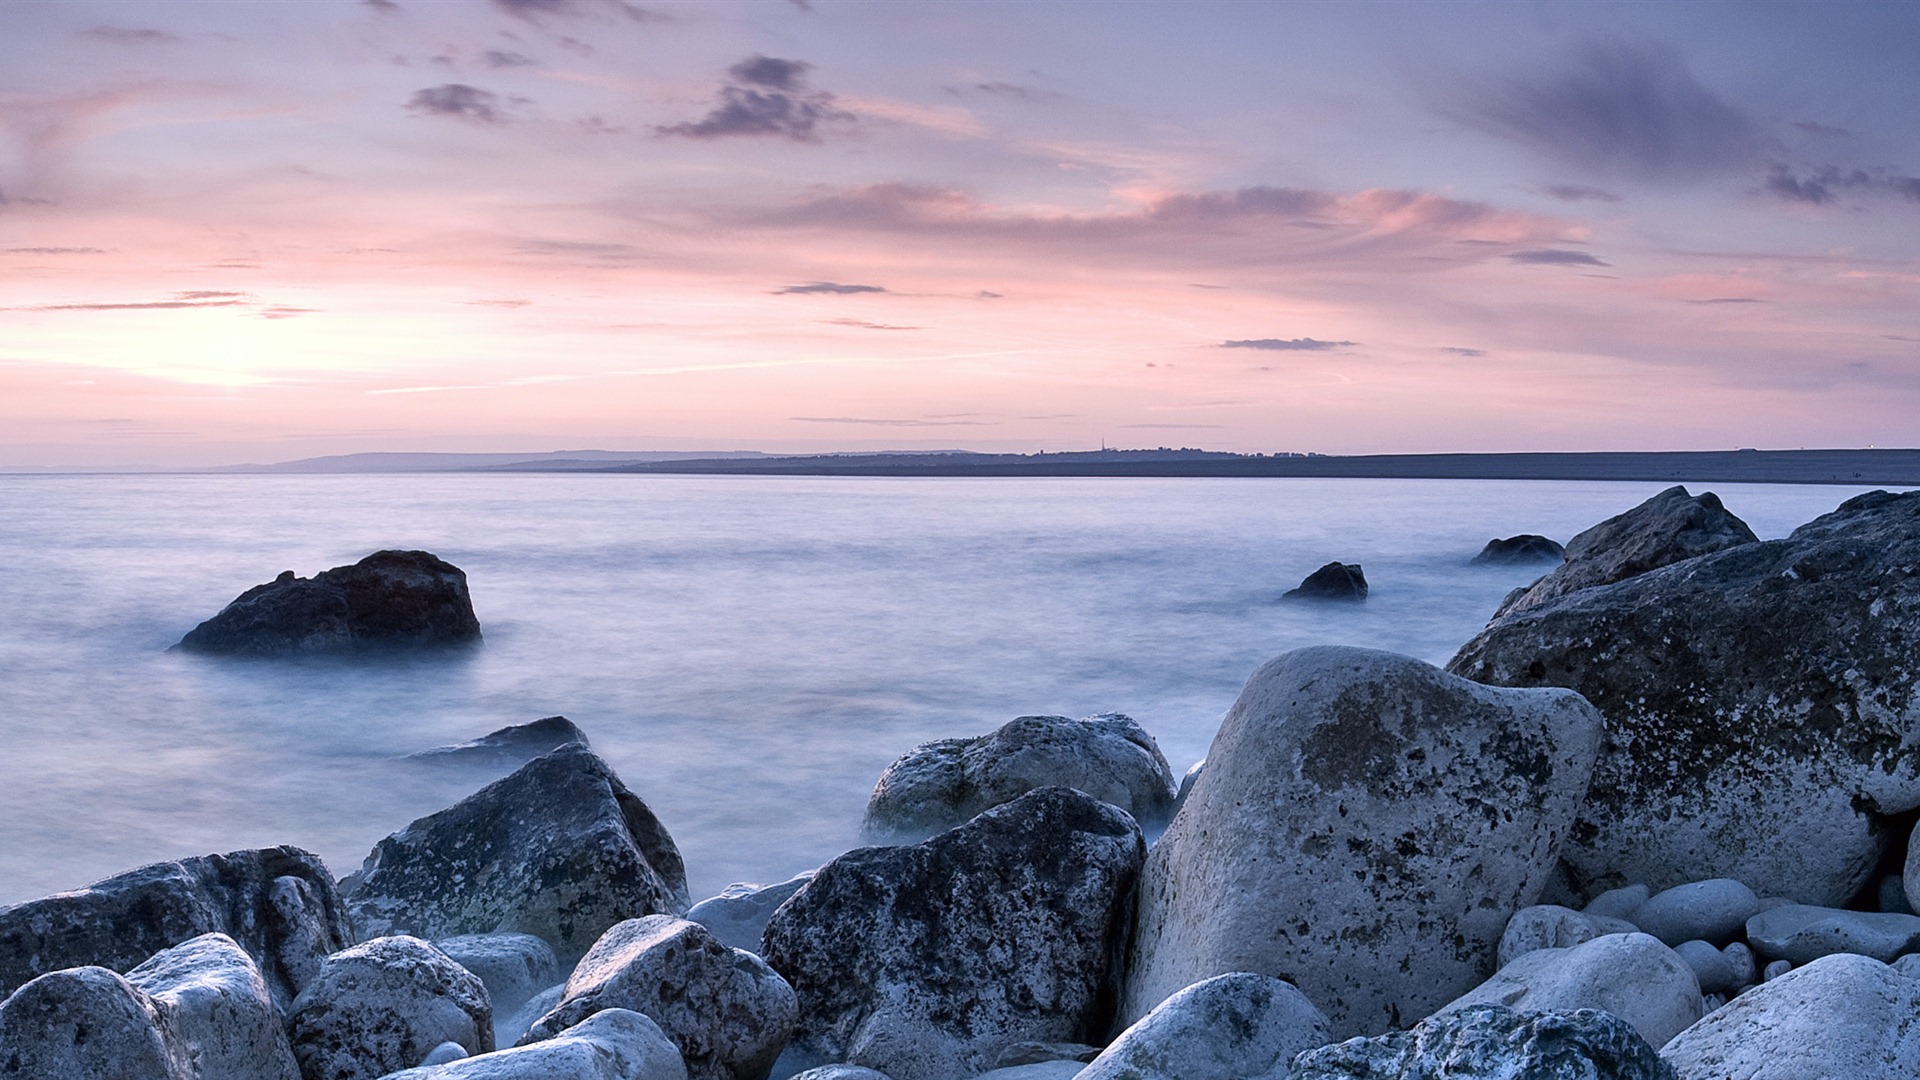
x=748 y=653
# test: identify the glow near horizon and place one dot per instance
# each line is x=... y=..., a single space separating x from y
x=263 y=231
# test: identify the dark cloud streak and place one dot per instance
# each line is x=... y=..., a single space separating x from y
x=460 y=101
x=832 y=288
x=1555 y=257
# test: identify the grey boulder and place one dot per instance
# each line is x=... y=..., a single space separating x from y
x=1550 y=926
x=1631 y=976
x=1621 y=903
x=87 y=1023
x=390 y=599
x=514 y=967
x=840 y=1072
x=1229 y=1027
x=613 y=1044
x=940 y=784
x=1715 y=970
x=1365 y=827
x=514 y=744
x=560 y=849
x=1337 y=582
x=1516 y=550
x=1799 y=933
x=1760 y=706
x=725 y=1009
x=1715 y=910
x=383 y=1006
x=1487 y=1042
x=738 y=916
x=216 y=1010
x=1841 y=1016
x=924 y=961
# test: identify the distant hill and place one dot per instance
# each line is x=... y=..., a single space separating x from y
x=557 y=460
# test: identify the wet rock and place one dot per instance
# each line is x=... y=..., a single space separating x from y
x=514 y=967
x=390 y=599
x=1799 y=933
x=1518 y=550
x=1631 y=976
x=1840 y=1016
x=511 y=745
x=1229 y=1027
x=85 y=1023
x=1366 y=826
x=1776 y=675
x=940 y=784
x=924 y=961
x=216 y=1011
x=1714 y=911
x=279 y=904
x=559 y=849
x=1550 y=926
x=726 y=1010
x=1487 y=1042
x=1335 y=581
x=614 y=1044
x=383 y=1006
x=738 y=916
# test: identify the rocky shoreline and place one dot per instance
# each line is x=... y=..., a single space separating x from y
x=1652 y=822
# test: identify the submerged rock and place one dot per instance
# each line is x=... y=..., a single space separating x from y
x=1334 y=581
x=1229 y=1027
x=383 y=1006
x=1487 y=1042
x=924 y=961
x=1760 y=705
x=1840 y=1016
x=1365 y=828
x=614 y=1044
x=560 y=850
x=407 y=599
x=1525 y=548
x=940 y=784
x=511 y=745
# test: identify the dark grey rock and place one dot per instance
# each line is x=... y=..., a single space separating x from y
x=1034 y=1053
x=1365 y=828
x=1336 y=581
x=940 y=784
x=382 y=1006
x=1487 y=1042
x=390 y=599
x=738 y=916
x=1759 y=704
x=1841 y=1016
x=1631 y=976
x=1801 y=933
x=279 y=904
x=1714 y=910
x=726 y=1010
x=560 y=849
x=1229 y=1027
x=511 y=745
x=1517 y=550
x=924 y=961
x=614 y=1044
x=1712 y=969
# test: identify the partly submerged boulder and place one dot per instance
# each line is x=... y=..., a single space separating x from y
x=940 y=784
x=383 y=1006
x=614 y=1044
x=1365 y=827
x=1840 y=1016
x=1229 y=1027
x=1524 y=548
x=1761 y=706
x=1488 y=1042
x=1334 y=581
x=511 y=745
x=560 y=849
x=403 y=599
x=924 y=961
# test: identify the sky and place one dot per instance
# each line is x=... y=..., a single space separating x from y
x=241 y=230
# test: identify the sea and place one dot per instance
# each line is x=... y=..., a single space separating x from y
x=748 y=653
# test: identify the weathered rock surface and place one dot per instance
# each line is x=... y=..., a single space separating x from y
x=87 y=1023
x=1715 y=910
x=1760 y=701
x=1229 y=1027
x=1550 y=926
x=1668 y=528
x=738 y=916
x=559 y=849
x=1335 y=581
x=279 y=904
x=613 y=1044
x=1799 y=933
x=1840 y=1016
x=511 y=745
x=924 y=961
x=383 y=1006
x=726 y=1010
x=841 y=1072
x=1515 y=550
x=940 y=784
x=514 y=967
x=1487 y=1042
x=216 y=1011
x=1631 y=976
x=390 y=599
x=1366 y=826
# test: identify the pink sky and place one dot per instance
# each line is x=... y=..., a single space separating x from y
x=258 y=231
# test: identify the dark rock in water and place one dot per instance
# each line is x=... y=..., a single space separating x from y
x=390 y=599
x=383 y=1006
x=560 y=849
x=279 y=904
x=1334 y=581
x=940 y=784
x=509 y=745
x=1525 y=548
x=1487 y=1042
x=1670 y=527
x=925 y=961
x=1760 y=706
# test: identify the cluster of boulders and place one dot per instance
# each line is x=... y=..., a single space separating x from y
x=1649 y=825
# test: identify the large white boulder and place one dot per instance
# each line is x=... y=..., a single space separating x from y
x=384 y=1005
x=1841 y=1016
x=1229 y=1027
x=1632 y=976
x=612 y=1044
x=217 y=1010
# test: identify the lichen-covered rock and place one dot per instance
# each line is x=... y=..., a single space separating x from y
x=279 y=904
x=1668 y=528
x=1840 y=1016
x=940 y=784
x=923 y=961
x=1516 y=550
x=1487 y=1042
x=216 y=1011
x=726 y=1010
x=514 y=744
x=1761 y=705
x=1336 y=581
x=1229 y=1027
x=1800 y=933
x=613 y=1044
x=383 y=1006
x=1366 y=826
x=1631 y=976
x=738 y=916
x=514 y=967
x=840 y=1072
x=560 y=849
x=1550 y=926
x=390 y=599
x=87 y=1023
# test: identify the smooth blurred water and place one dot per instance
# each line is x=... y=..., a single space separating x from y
x=748 y=653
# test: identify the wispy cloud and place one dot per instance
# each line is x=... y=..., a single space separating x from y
x=55 y=250
x=1460 y=351
x=501 y=58
x=120 y=35
x=865 y=325
x=771 y=72
x=829 y=287
x=870 y=421
x=533 y=10
x=1826 y=184
x=1581 y=193
x=459 y=100
x=1729 y=300
x=1300 y=344
x=1555 y=257
x=767 y=98
x=1007 y=90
